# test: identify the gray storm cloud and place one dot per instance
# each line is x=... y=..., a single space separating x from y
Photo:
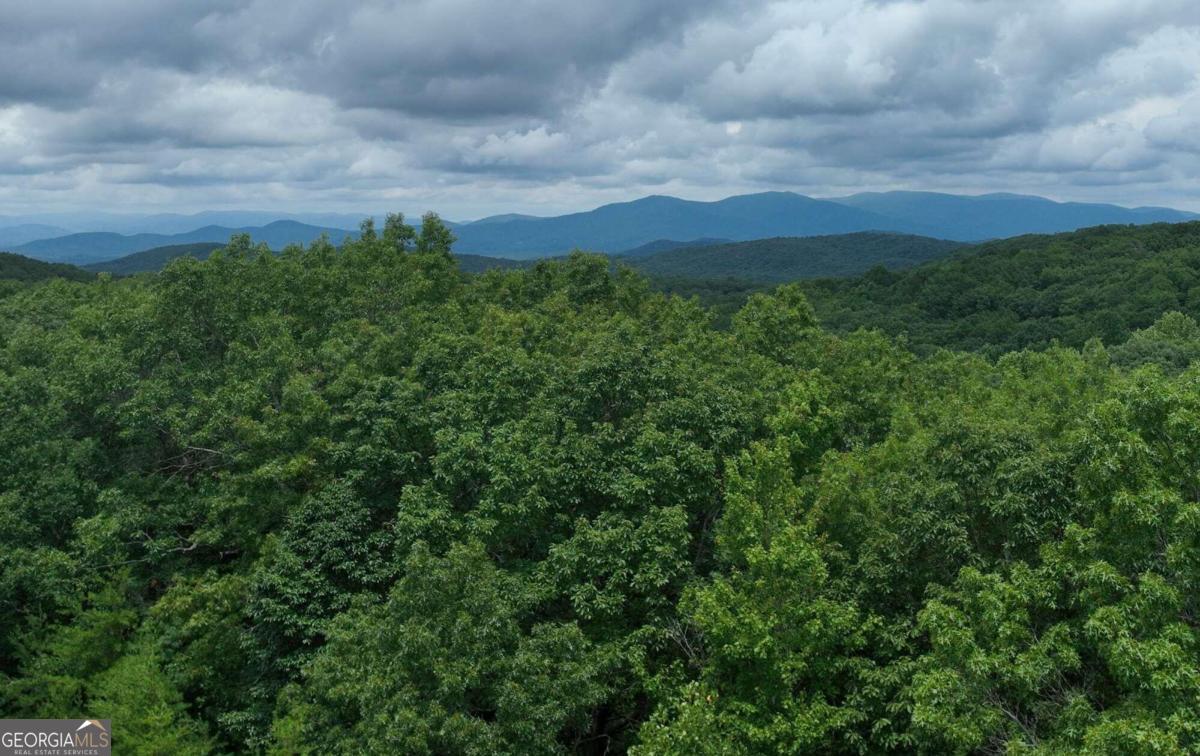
x=474 y=106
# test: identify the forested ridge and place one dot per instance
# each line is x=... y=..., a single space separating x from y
x=19 y=268
x=785 y=259
x=353 y=500
x=154 y=259
x=1030 y=291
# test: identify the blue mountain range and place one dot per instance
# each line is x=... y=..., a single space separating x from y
x=654 y=223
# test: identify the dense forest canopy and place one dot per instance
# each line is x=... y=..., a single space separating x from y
x=155 y=259
x=353 y=500
x=20 y=268
x=1029 y=291
x=785 y=259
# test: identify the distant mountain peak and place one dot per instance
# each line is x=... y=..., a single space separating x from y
x=623 y=226
x=94 y=247
x=504 y=218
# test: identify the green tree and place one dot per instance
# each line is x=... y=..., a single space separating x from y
x=435 y=237
x=445 y=666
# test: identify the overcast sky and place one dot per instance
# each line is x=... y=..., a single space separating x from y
x=471 y=107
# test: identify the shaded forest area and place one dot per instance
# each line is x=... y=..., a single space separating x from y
x=1030 y=291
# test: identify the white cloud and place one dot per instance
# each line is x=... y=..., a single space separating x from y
x=473 y=106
